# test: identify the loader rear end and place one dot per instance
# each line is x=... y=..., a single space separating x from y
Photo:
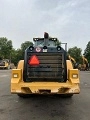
x=45 y=70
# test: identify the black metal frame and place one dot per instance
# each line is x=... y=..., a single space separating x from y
x=25 y=65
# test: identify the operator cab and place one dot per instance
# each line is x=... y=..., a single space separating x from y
x=40 y=42
x=46 y=41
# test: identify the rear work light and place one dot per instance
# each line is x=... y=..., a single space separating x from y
x=75 y=76
x=34 y=60
x=15 y=75
x=31 y=48
x=58 y=48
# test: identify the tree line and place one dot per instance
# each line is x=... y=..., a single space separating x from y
x=7 y=51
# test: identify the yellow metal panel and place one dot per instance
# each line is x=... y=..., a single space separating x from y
x=20 y=66
x=69 y=66
x=45 y=87
x=19 y=73
x=72 y=72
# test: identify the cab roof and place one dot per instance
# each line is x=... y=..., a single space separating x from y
x=36 y=39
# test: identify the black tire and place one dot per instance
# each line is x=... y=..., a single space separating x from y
x=23 y=95
x=67 y=95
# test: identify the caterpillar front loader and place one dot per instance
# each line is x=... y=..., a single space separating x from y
x=85 y=65
x=45 y=70
x=4 y=64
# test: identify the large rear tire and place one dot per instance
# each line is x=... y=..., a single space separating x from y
x=23 y=95
x=67 y=95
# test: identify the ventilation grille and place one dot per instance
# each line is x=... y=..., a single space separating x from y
x=51 y=67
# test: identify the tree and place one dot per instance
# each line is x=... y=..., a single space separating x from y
x=5 y=47
x=87 y=52
x=19 y=53
x=75 y=53
x=14 y=56
x=25 y=45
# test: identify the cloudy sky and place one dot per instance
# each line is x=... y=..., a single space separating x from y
x=68 y=20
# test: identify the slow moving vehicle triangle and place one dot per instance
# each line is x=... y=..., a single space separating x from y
x=34 y=60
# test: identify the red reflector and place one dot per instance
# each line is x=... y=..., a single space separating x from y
x=34 y=60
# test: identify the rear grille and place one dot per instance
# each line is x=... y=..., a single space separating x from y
x=51 y=67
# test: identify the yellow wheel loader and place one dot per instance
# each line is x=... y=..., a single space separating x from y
x=45 y=70
x=4 y=64
x=85 y=65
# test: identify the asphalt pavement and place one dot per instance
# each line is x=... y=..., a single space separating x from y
x=44 y=107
